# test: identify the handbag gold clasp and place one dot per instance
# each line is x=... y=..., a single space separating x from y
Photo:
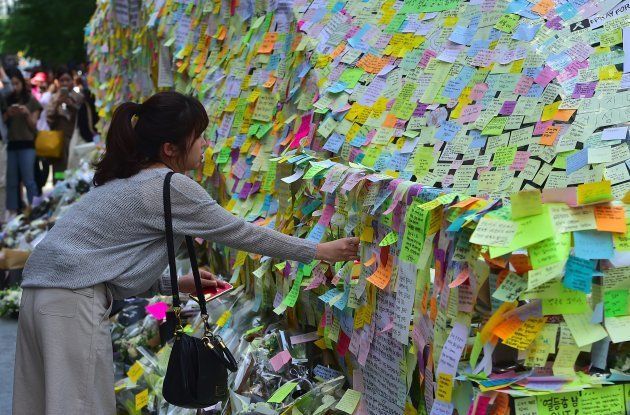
x=179 y=329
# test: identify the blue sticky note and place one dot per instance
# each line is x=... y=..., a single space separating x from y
x=578 y=274
x=334 y=143
x=337 y=87
x=460 y=35
x=576 y=161
x=525 y=32
x=593 y=244
x=447 y=131
x=566 y=11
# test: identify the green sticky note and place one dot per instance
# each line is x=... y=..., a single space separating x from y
x=507 y=23
x=254 y=330
x=349 y=401
x=550 y=251
x=423 y=159
x=495 y=126
x=292 y=296
x=526 y=203
x=282 y=392
x=263 y=130
x=351 y=76
x=616 y=303
x=389 y=239
x=530 y=230
x=419 y=6
x=607 y=400
x=395 y=23
x=550 y=404
x=224 y=155
x=565 y=301
x=413 y=238
x=504 y=156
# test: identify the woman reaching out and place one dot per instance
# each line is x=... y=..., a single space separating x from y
x=111 y=244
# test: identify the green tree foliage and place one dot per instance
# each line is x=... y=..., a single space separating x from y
x=48 y=30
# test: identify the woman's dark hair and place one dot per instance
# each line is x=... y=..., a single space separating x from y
x=166 y=117
x=63 y=71
x=25 y=95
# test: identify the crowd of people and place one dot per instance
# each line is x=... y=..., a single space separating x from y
x=31 y=104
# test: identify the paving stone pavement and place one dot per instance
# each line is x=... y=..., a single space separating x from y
x=8 y=331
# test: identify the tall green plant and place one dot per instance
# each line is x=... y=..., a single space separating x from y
x=48 y=30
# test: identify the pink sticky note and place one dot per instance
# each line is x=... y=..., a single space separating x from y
x=157 y=310
x=566 y=195
x=523 y=85
x=545 y=76
x=280 y=360
x=541 y=127
x=478 y=91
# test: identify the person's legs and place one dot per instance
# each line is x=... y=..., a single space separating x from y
x=13 y=180
x=27 y=172
x=28 y=382
x=71 y=332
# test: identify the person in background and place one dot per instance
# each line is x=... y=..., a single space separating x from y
x=5 y=89
x=61 y=114
x=42 y=165
x=38 y=85
x=21 y=113
x=87 y=116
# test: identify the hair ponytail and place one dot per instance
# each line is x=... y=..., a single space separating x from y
x=166 y=117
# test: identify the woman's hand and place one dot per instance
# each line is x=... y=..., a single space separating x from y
x=344 y=249
x=186 y=283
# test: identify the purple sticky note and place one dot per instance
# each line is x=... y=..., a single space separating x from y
x=507 y=108
x=584 y=90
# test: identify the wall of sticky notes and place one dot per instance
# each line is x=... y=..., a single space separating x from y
x=477 y=148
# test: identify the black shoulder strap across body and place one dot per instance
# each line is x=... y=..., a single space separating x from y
x=196 y=376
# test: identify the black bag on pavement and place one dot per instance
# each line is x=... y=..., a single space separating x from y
x=196 y=376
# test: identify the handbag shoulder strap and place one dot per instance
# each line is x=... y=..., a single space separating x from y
x=170 y=247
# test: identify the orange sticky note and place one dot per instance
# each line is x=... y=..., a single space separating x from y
x=610 y=218
x=390 y=121
x=268 y=42
x=463 y=276
x=382 y=275
x=370 y=261
x=563 y=115
x=543 y=7
x=549 y=136
x=507 y=327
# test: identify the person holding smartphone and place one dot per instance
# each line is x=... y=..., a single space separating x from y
x=61 y=115
x=21 y=113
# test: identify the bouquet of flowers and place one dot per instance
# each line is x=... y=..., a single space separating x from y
x=10 y=301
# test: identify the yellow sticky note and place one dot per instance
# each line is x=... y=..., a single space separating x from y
x=135 y=371
x=444 y=387
x=224 y=318
x=584 y=332
x=526 y=333
x=142 y=399
x=526 y=203
x=349 y=401
x=597 y=192
x=524 y=236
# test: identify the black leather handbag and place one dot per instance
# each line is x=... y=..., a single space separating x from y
x=197 y=375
